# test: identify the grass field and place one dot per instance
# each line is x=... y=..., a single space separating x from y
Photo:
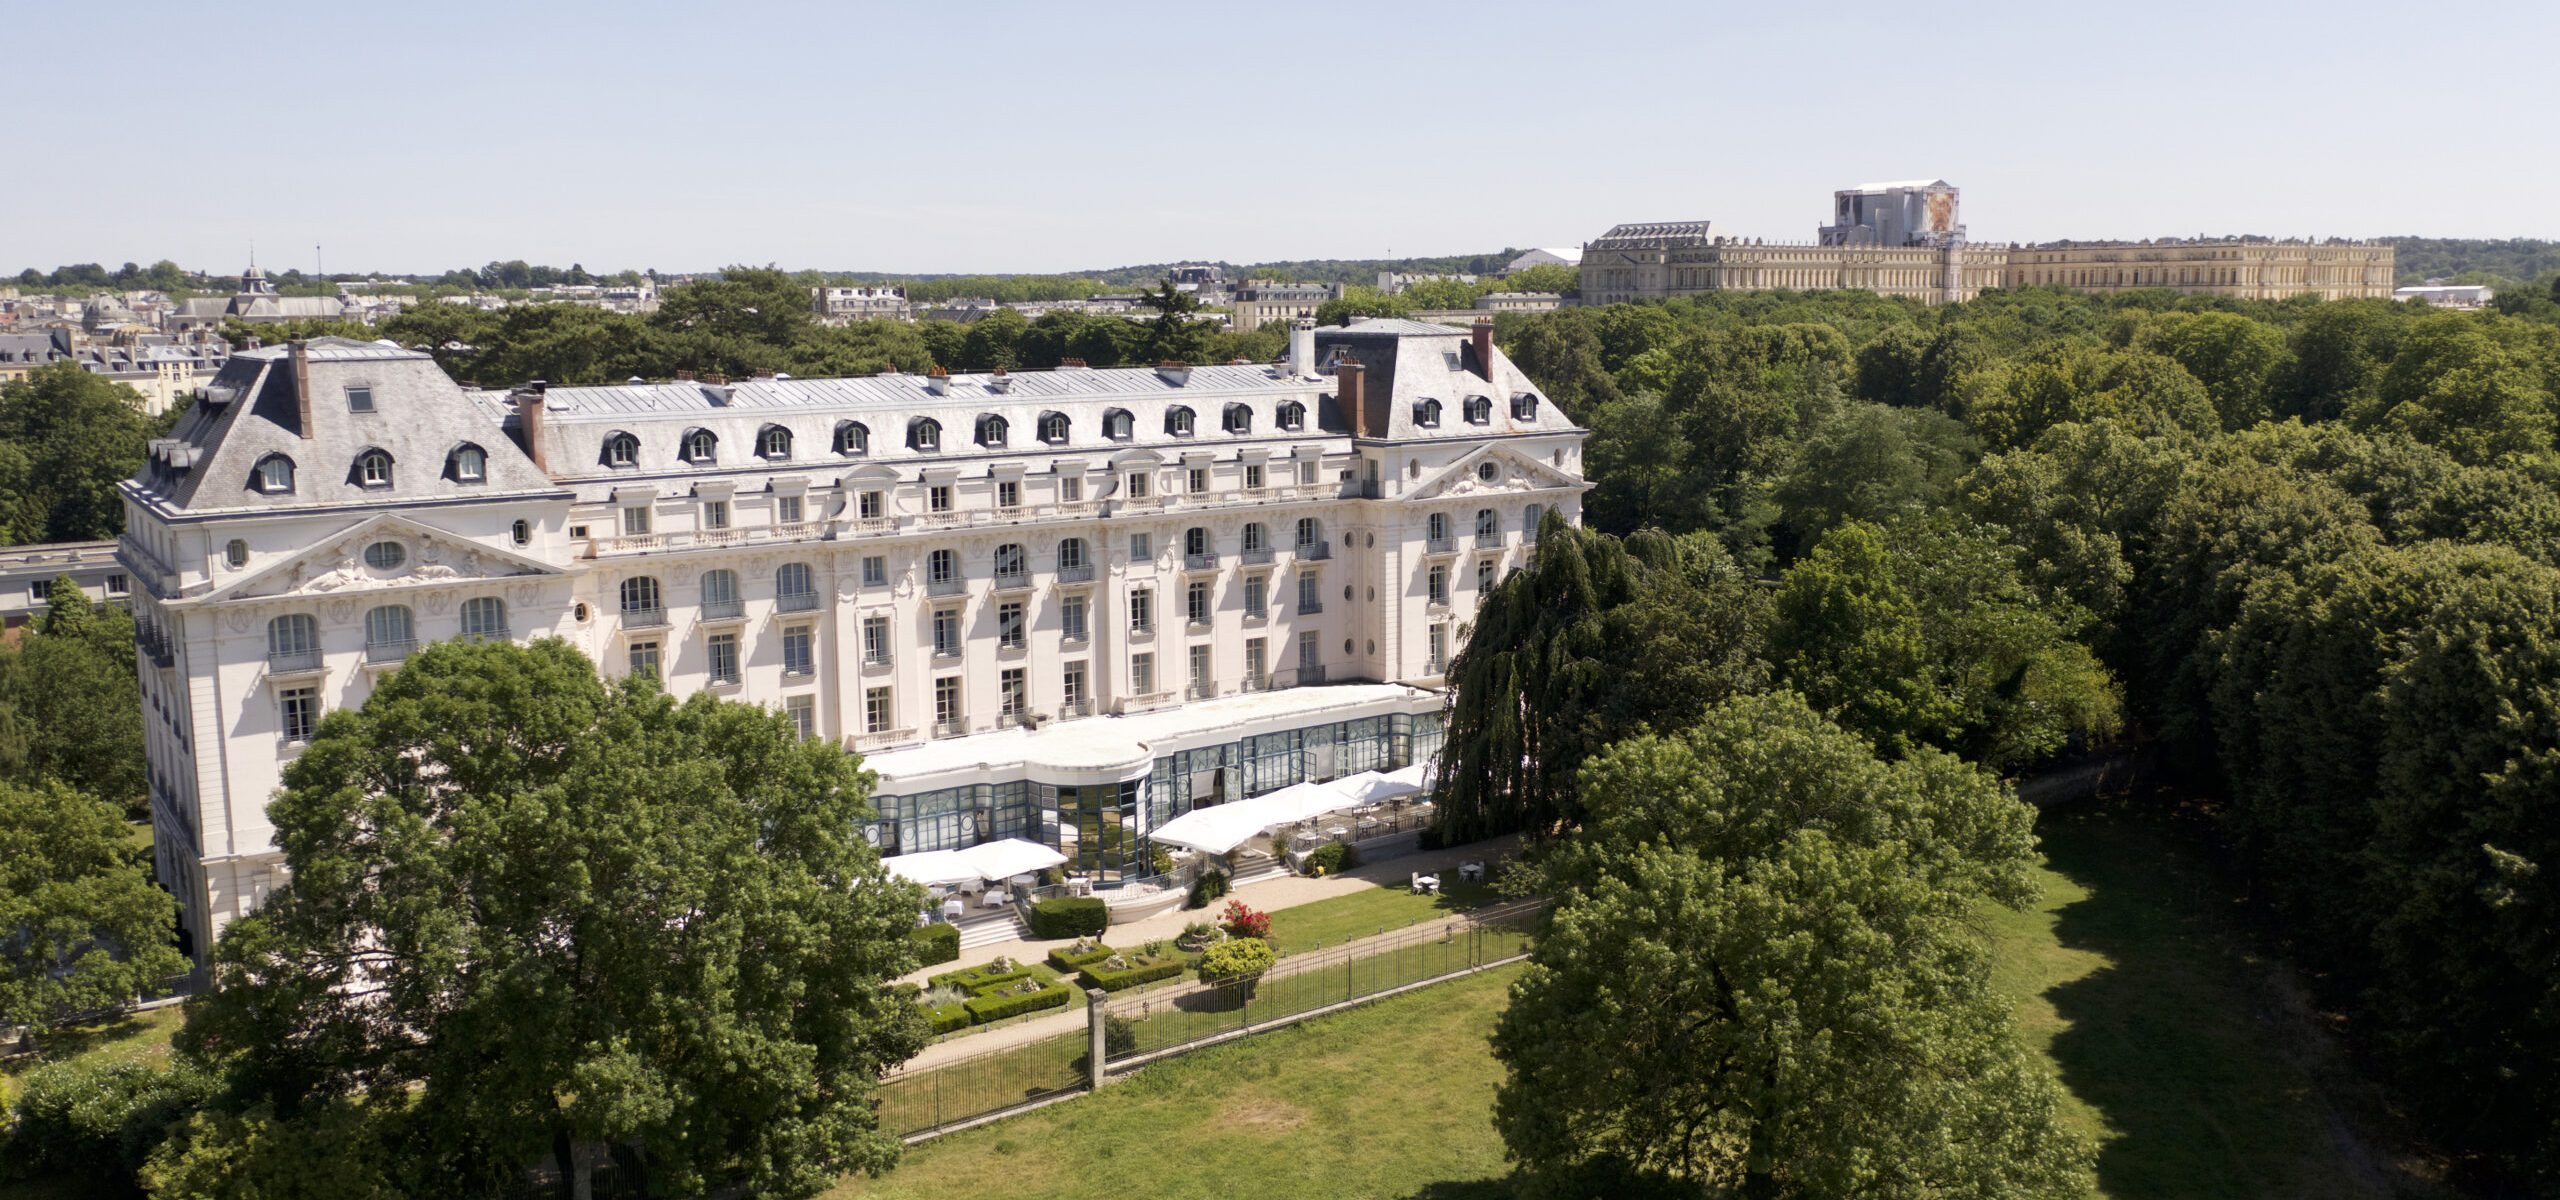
x=1338 y=919
x=1386 y=1100
x=142 y=1037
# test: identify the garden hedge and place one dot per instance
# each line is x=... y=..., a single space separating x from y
x=1146 y=970
x=947 y=1018
x=1209 y=886
x=1069 y=916
x=935 y=943
x=980 y=979
x=985 y=1009
x=1065 y=960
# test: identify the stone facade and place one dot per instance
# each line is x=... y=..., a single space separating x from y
x=1022 y=596
x=1656 y=261
x=2240 y=268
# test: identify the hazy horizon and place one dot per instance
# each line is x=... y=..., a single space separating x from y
x=1041 y=139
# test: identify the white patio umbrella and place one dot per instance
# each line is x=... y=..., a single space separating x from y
x=933 y=868
x=1010 y=857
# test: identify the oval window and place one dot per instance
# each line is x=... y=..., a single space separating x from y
x=1488 y=472
x=385 y=556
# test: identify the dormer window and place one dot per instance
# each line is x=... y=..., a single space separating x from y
x=1524 y=406
x=373 y=469
x=621 y=450
x=1053 y=428
x=1291 y=415
x=1479 y=410
x=1118 y=425
x=991 y=431
x=1237 y=419
x=470 y=464
x=853 y=438
x=701 y=446
x=274 y=475
x=360 y=399
x=924 y=434
x=1178 y=421
x=773 y=442
x=1426 y=413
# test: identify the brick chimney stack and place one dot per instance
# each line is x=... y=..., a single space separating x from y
x=302 y=388
x=1483 y=334
x=1348 y=388
x=529 y=413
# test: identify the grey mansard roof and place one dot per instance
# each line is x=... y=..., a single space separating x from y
x=250 y=412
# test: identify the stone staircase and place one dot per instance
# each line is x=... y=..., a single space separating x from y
x=991 y=928
x=1253 y=866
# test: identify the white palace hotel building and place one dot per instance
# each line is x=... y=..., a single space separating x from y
x=1065 y=606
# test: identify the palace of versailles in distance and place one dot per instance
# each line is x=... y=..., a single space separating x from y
x=1066 y=606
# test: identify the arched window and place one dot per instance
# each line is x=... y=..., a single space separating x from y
x=484 y=618
x=1488 y=526
x=1071 y=556
x=1524 y=406
x=1012 y=562
x=1118 y=425
x=388 y=632
x=795 y=587
x=701 y=446
x=1479 y=410
x=1177 y=421
x=1439 y=526
x=1290 y=415
x=1053 y=428
x=853 y=438
x=773 y=442
x=470 y=464
x=924 y=434
x=275 y=475
x=720 y=593
x=373 y=469
x=293 y=640
x=1195 y=540
x=991 y=431
x=621 y=450
x=1426 y=413
x=941 y=566
x=385 y=556
x=640 y=597
x=1310 y=531
x=1238 y=418
x=1256 y=537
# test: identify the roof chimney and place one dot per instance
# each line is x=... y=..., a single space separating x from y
x=1484 y=347
x=1071 y=364
x=1174 y=372
x=938 y=382
x=302 y=388
x=1302 y=348
x=1349 y=389
x=999 y=382
x=684 y=377
x=529 y=405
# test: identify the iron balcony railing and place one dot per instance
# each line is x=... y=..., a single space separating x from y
x=1200 y=689
x=1488 y=541
x=496 y=633
x=644 y=618
x=1289 y=677
x=294 y=660
x=1073 y=709
x=726 y=678
x=946 y=587
x=391 y=651
x=951 y=728
x=1079 y=573
x=1310 y=606
x=1257 y=555
x=1012 y=581
x=876 y=658
x=723 y=610
x=1441 y=545
x=1200 y=562
x=1315 y=551
x=796 y=601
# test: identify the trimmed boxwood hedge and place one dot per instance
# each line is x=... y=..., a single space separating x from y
x=935 y=943
x=1144 y=970
x=948 y=1017
x=980 y=979
x=1065 y=960
x=984 y=1009
x=1070 y=916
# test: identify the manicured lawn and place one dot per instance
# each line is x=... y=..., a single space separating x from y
x=1382 y=1101
x=1333 y=921
x=142 y=1037
x=2184 y=1058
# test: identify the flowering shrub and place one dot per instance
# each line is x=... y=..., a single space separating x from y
x=1242 y=921
x=1240 y=959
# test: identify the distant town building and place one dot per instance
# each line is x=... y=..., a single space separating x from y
x=1392 y=282
x=836 y=305
x=256 y=303
x=1524 y=302
x=27 y=574
x=1908 y=239
x=1261 y=301
x=2449 y=295
x=1546 y=256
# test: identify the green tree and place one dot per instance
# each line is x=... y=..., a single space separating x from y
x=2236 y=358
x=1873 y=463
x=1544 y=277
x=70 y=703
x=1769 y=929
x=67 y=438
x=1356 y=301
x=566 y=915
x=90 y=930
x=1177 y=333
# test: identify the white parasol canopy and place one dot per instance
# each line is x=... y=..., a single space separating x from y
x=933 y=868
x=1420 y=777
x=1372 y=787
x=1010 y=857
x=1224 y=827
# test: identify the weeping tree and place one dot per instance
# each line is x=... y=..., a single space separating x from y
x=1599 y=639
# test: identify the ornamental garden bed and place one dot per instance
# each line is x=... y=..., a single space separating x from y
x=984 y=995
x=1121 y=972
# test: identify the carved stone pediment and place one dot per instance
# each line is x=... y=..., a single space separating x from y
x=339 y=563
x=1513 y=472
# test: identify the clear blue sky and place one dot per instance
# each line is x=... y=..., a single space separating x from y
x=1051 y=136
